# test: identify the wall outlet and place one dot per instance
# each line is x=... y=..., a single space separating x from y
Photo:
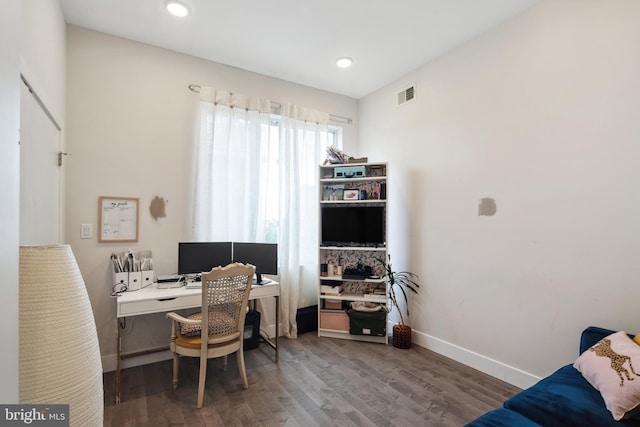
x=86 y=231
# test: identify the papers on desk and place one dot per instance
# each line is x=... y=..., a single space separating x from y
x=131 y=261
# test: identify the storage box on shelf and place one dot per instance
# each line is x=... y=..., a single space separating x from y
x=333 y=304
x=334 y=320
x=353 y=232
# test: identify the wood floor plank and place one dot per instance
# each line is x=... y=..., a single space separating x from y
x=318 y=382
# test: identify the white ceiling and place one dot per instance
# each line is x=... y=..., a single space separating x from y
x=300 y=40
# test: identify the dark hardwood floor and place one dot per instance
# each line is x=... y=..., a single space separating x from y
x=317 y=382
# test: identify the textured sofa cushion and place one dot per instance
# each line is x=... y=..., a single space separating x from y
x=564 y=398
x=502 y=417
x=609 y=367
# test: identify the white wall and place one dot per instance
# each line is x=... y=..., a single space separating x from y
x=130 y=123
x=33 y=44
x=43 y=66
x=9 y=194
x=43 y=53
x=541 y=114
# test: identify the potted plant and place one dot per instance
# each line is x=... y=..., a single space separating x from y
x=399 y=280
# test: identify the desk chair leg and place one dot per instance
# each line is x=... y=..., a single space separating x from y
x=224 y=363
x=203 y=376
x=176 y=362
x=243 y=371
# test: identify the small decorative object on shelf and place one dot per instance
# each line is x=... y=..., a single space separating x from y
x=334 y=155
x=399 y=280
x=351 y=194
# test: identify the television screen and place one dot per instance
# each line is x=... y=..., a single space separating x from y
x=198 y=257
x=355 y=226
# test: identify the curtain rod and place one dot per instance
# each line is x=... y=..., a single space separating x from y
x=332 y=117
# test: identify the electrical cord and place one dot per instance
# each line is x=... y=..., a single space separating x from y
x=118 y=289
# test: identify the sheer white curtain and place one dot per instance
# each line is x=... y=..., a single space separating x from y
x=255 y=180
x=303 y=140
x=232 y=191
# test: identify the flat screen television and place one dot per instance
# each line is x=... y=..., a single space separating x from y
x=198 y=257
x=353 y=226
x=263 y=255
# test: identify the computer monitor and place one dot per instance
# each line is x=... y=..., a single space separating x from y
x=198 y=257
x=263 y=255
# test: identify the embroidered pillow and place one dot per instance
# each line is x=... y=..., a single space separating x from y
x=612 y=366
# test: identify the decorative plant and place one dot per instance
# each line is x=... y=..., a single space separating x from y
x=403 y=280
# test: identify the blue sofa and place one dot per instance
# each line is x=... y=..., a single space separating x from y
x=564 y=399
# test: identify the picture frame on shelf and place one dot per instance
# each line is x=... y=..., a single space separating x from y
x=351 y=194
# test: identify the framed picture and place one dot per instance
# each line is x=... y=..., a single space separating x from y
x=118 y=219
x=351 y=194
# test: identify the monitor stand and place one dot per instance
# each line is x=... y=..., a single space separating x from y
x=259 y=280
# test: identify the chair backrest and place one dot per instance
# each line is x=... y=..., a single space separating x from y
x=225 y=292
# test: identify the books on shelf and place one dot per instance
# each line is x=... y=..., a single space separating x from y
x=333 y=192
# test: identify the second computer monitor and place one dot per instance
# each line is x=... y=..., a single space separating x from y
x=263 y=255
x=198 y=257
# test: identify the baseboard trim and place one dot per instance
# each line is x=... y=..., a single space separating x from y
x=109 y=361
x=502 y=371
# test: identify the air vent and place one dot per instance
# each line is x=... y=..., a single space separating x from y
x=407 y=95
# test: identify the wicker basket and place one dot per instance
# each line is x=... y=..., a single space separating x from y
x=402 y=336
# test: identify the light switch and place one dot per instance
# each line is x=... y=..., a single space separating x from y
x=86 y=231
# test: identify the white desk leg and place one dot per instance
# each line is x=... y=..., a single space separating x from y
x=277 y=322
x=119 y=350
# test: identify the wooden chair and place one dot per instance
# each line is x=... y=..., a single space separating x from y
x=225 y=293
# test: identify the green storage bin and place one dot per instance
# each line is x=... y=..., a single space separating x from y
x=367 y=323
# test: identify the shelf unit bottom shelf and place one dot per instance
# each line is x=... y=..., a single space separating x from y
x=332 y=333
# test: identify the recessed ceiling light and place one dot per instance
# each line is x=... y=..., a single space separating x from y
x=177 y=9
x=344 y=62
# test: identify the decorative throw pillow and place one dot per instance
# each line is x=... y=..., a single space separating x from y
x=636 y=339
x=191 y=330
x=612 y=366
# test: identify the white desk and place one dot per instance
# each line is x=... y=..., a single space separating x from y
x=152 y=300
